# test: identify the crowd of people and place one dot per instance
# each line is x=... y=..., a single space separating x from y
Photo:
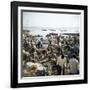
x=52 y=54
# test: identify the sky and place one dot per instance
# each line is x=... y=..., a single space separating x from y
x=51 y=20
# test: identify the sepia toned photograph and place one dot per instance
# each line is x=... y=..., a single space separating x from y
x=50 y=43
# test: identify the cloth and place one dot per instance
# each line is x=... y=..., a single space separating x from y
x=61 y=61
x=74 y=66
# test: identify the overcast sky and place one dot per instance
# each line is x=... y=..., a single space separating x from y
x=37 y=19
x=34 y=21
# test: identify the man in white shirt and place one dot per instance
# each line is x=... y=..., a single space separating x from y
x=74 y=65
x=61 y=60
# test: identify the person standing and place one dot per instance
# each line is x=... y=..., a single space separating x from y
x=74 y=65
x=61 y=60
